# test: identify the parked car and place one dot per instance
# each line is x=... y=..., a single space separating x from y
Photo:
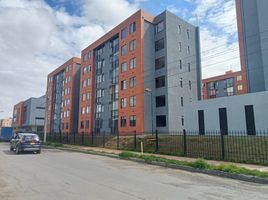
x=25 y=142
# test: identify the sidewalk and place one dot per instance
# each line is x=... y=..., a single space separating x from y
x=214 y=162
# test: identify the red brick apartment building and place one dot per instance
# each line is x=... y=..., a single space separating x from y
x=62 y=97
x=18 y=113
x=129 y=66
x=229 y=84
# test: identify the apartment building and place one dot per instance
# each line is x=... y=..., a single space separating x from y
x=62 y=97
x=18 y=111
x=229 y=84
x=138 y=76
x=253 y=33
x=29 y=115
x=6 y=122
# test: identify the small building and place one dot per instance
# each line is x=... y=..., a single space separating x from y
x=229 y=84
x=29 y=115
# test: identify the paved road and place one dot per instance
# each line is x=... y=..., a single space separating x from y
x=60 y=175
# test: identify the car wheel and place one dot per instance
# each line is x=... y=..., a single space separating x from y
x=10 y=148
x=17 y=150
x=38 y=152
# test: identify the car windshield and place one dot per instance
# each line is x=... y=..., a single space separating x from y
x=30 y=137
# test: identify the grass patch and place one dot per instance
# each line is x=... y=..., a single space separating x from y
x=199 y=164
x=53 y=144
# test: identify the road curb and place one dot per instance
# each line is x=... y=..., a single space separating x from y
x=246 y=178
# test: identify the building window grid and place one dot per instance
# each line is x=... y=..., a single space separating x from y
x=132 y=101
x=132 y=82
x=132 y=121
x=133 y=63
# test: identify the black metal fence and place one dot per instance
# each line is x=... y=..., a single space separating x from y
x=235 y=146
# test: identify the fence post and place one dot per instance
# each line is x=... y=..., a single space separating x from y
x=60 y=140
x=222 y=146
x=184 y=143
x=135 y=140
x=156 y=141
x=67 y=138
x=74 y=137
x=83 y=135
x=54 y=137
x=103 y=139
x=117 y=140
x=92 y=138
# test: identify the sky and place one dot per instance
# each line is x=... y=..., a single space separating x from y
x=37 y=36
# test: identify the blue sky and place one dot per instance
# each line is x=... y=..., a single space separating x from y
x=43 y=34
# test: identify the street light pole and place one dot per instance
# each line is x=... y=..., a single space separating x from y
x=151 y=93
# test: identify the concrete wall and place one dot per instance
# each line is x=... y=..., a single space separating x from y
x=235 y=106
x=149 y=69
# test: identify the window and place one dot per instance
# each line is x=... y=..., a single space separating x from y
x=230 y=91
x=182 y=120
x=124 y=50
x=89 y=68
x=132 y=82
x=161 y=120
x=159 y=44
x=123 y=103
x=160 y=82
x=123 y=121
x=87 y=123
x=100 y=108
x=181 y=82
x=100 y=93
x=132 y=101
x=180 y=63
x=133 y=27
x=124 y=33
x=132 y=63
x=160 y=63
x=189 y=67
x=88 y=96
x=159 y=27
x=100 y=78
x=123 y=85
x=190 y=85
x=240 y=87
x=179 y=46
x=181 y=101
x=188 y=33
x=160 y=101
x=88 y=82
x=124 y=67
x=132 y=45
x=82 y=124
x=132 y=120
x=87 y=109
x=83 y=110
x=179 y=29
x=188 y=50
x=239 y=78
x=90 y=54
x=84 y=82
x=85 y=57
x=83 y=97
x=84 y=70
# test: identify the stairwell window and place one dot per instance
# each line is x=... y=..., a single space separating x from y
x=132 y=45
x=159 y=27
x=159 y=44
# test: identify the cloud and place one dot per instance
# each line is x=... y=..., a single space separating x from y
x=218 y=32
x=36 y=38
